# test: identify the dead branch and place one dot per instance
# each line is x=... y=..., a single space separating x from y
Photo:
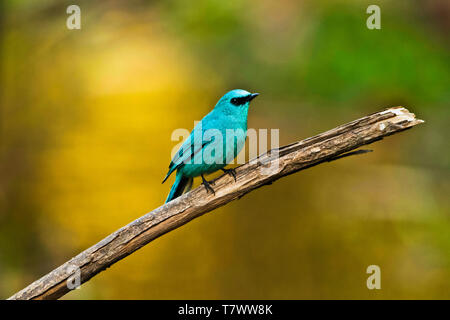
x=328 y=146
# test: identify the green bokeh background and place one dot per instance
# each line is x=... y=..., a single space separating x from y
x=87 y=116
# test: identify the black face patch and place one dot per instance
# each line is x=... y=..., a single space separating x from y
x=240 y=100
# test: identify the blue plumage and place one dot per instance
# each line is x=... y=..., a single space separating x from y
x=215 y=141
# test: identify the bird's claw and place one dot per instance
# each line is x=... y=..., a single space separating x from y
x=230 y=172
x=208 y=186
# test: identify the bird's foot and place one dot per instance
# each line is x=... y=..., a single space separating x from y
x=207 y=185
x=231 y=172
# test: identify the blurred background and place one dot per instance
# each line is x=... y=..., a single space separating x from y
x=85 y=141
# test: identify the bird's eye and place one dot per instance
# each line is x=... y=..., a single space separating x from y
x=235 y=101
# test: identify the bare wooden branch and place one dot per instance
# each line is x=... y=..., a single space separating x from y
x=277 y=163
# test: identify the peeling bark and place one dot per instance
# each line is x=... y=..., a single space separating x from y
x=328 y=146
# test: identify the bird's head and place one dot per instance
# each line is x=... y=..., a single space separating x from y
x=236 y=101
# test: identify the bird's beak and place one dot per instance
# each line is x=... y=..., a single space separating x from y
x=252 y=96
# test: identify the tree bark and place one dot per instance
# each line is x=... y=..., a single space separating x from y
x=331 y=145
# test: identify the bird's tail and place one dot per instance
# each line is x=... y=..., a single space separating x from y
x=181 y=184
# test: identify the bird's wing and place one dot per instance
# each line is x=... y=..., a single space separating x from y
x=193 y=144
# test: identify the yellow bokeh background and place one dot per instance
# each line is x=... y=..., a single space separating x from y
x=86 y=121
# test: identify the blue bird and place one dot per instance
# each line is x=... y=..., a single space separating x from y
x=215 y=141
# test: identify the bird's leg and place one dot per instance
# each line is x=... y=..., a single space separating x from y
x=207 y=185
x=231 y=172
